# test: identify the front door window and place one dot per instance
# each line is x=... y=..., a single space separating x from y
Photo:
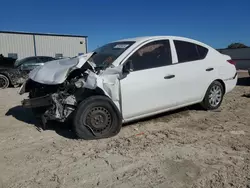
x=152 y=55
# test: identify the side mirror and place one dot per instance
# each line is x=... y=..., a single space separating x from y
x=127 y=67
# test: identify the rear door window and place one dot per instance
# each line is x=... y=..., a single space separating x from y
x=187 y=51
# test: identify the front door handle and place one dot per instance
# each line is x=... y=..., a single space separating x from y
x=169 y=76
x=209 y=69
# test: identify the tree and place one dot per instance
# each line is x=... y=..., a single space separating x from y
x=237 y=45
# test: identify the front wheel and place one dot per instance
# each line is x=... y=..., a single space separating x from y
x=4 y=81
x=213 y=97
x=97 y=117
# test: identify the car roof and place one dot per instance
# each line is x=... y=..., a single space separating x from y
x=25 y=58
x=43 y=56
x=40 y=56
x=146 y=38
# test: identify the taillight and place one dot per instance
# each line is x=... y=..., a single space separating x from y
x=231 y=62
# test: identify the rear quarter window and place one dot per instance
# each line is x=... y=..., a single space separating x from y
x=187 y=51
x=202 y=51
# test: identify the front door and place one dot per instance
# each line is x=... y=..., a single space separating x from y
x=149 y=87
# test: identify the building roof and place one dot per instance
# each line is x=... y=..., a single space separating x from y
x=44 y=34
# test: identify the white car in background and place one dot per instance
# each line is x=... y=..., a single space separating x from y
x=128 y=80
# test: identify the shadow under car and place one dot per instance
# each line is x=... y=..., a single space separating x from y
x=26 y=115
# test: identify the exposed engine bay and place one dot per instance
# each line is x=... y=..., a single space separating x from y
x=57 y=98
x=54 y=102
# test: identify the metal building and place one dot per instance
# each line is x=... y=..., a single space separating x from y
x=21 y=44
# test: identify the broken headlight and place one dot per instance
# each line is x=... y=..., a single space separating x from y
x=79 y=83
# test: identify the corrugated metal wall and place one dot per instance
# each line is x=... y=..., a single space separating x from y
x=25 y=45
x=51 y=45
x=16 y=43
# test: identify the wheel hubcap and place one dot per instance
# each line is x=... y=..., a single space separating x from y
x=99 y=119
x=215 y=96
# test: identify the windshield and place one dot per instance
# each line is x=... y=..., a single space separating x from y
x=107 y=54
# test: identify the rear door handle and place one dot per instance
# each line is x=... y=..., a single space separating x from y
x=169 y=76
x=209 y=69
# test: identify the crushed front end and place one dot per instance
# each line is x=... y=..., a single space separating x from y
x=51 y=102
x=57 y=88
x=59 y=101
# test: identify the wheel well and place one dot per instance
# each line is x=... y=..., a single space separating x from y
x=88 y=93
x=6 y=76
x=223 y=84
x=98 y=91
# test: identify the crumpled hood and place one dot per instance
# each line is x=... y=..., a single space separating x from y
x=55 y=72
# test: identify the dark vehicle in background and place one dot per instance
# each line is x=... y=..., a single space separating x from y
x=241 y=56
x=29 y=63
x=14 y=72
x=6 y=61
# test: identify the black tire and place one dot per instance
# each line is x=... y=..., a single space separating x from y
x=4 y=81
x=97 y=117
x=212 y=104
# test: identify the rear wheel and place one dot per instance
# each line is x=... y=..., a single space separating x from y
x=213 y=97
x=4 y=81
x=97 y=117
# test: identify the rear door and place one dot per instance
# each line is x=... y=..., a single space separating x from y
x=193 y=70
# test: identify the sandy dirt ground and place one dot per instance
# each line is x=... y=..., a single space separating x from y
x=185 y=148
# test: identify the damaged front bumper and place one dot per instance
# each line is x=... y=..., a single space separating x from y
x=51 y=106
x=38 y=102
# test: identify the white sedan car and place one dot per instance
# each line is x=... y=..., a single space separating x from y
x=128 y=80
